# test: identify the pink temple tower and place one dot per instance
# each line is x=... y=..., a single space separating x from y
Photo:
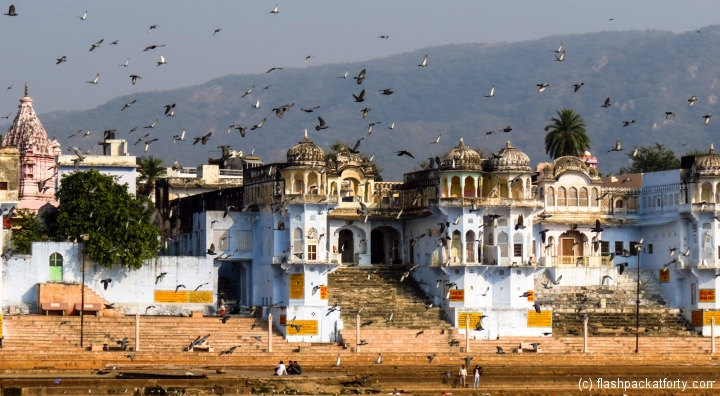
x=37 y=157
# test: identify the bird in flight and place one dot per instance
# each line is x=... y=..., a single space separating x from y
x=707 y=118
x=346 y=74
x=561 y=57
x=127 y=61
x=168 y=107
x=96 y=44
x=273 y=68
x=161 y=61
x=386 y=91
x=360 y=77
x=307 y=57
x=114 y=42
x=492 y=92
x=542 y=87
x=151 y=126
x=204 y=139
x=617 y=147
x=97 y=77
x=256 y=105
x=82 y=18
x=149 y=47
x=669 y=113
x=577 y=86
x=361 y=97
x=626 y=123
x=424 y=62
x=692 y=100
x=128 y=104
x=275 y=10
x=384 y=36
x=61 y=60
x=310 y=110
x=152 y=27
x=216 y=31
x=247 y=92
x=403 y=152
x=607 y=103
x=11 y=11
x=134 y=78
x=258 y=125
x=322 y=124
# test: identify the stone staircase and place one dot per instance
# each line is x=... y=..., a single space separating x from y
x=618 y=318
x=380 y=296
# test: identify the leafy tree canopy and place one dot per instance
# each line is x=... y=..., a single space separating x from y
x=117 y=224
x=339 y=147
x=32 y=230
x=566 y=135
x=651 y=159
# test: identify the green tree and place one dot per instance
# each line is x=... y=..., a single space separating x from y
x=31 y=230
x=651 y=159
x=339 y=147
x=149 y=169
x=566 y=135
x=118 y=224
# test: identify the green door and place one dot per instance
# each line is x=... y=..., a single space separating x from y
x=56 y=267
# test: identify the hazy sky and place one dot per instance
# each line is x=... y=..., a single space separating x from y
x=252 y=40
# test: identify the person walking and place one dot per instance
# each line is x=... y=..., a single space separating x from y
x=463 y=376
x=477 y=373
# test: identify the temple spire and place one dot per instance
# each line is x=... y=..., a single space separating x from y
x=26 y=89
x=306 y=136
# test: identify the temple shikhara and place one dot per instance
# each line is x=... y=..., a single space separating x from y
x=37 y=157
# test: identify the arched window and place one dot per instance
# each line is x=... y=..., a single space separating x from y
x=312 y=244
x=594 y=197
x=503 y=243
x=619 y=204
x=561 y=197
x=518 y=239
x=333 y=188
x=550 y=196
x=297 y=241
x=706 y=192
x=573 y=197
x=470 y=247
x=583 y=197
x=469 y=190
x=456 y=247
x=56 y=267
x=455 y=187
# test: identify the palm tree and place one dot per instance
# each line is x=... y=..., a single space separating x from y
x=149 y=170
x=566 y=135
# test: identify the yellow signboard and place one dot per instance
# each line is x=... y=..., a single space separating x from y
x=297 y=286
x=664 y=276
x=697 y=318
x=542 y=319
x=457 y=295
x=708 y=315
x=171 y=296
x=200 y=297
x=475 y=318
x=323 y=293
x=307 y=327
x=707 y=295
x=530 y=295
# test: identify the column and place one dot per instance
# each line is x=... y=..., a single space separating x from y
x=462 y=187
x=269 y=335
x=305 y=182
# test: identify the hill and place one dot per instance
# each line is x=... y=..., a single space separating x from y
x=645 y=73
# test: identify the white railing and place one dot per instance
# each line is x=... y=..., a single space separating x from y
x=574 y=261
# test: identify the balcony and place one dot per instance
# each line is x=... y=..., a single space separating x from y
x=575 y=261
x=488 y=202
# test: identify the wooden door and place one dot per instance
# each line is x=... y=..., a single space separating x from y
x=566 y=249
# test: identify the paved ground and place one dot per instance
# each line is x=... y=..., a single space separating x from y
x=500 y=378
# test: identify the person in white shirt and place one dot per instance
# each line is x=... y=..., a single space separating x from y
x=280 y=369
x=463 y=376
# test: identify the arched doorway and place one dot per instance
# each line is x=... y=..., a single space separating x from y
x=346 y=246
x=385 y=245
x=56 y=268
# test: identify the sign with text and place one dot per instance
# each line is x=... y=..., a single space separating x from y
x=664 y=276
x=708 y=315
x=475 y=318
x=200 y=297
x=457 y=295
x=542 y=319
x=297 y=286
x=323 y=293
x=531 y=296
x=697 y=318
x=171 y=296
x=707 y=295
x=307 y=327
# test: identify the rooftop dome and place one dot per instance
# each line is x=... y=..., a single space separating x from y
x=707 y=165
x=462 y=157
x=305 y=153
x=509 y=159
